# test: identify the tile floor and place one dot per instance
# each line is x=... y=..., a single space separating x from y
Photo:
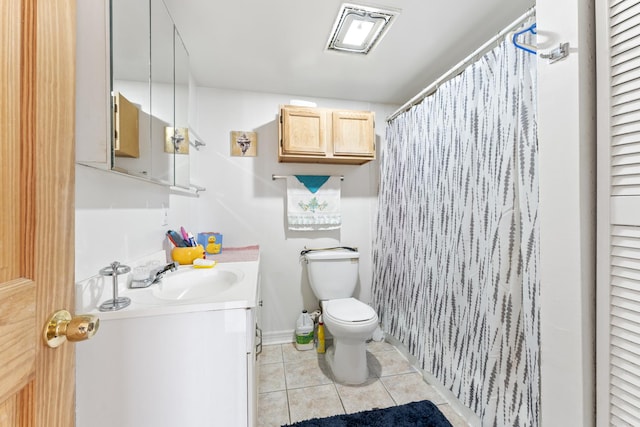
x=297 y=385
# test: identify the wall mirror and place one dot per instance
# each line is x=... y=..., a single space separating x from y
x=181 y=111
x=149 y=86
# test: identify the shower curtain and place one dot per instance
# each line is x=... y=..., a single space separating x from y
x=456 y=249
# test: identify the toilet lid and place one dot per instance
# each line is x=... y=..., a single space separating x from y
x=349 y=310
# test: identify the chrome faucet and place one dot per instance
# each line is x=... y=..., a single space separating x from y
x=159 y=273
x=155 y=276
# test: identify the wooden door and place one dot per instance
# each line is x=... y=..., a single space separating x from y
x=37 y=116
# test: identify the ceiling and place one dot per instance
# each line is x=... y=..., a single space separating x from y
x=278 y=46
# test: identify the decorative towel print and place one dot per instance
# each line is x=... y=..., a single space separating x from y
x=455 y=252
x=319 y=210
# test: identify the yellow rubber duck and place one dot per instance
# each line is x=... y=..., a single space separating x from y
x=212 y=246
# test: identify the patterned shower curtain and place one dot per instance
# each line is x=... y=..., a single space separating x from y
x=456 y=249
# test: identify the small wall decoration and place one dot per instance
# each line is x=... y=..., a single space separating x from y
x=176 y=140
x=244 y=143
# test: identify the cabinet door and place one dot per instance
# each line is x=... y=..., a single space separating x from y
x=131 y=376
x=303 y=131
x=353 y=133
x=126 y=127
x=93 y=100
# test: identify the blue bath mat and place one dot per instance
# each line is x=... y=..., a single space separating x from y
x=415 y=414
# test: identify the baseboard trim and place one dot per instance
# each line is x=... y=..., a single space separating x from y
x=278 y=337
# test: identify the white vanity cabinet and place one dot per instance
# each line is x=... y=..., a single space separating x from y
x=173 y=358
x=184 y=369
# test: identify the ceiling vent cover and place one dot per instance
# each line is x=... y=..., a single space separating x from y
x=358 y=29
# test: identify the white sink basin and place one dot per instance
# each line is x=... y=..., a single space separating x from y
x=195 y=284
x=223 y=283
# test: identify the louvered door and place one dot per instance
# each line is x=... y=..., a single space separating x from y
x=618 y=304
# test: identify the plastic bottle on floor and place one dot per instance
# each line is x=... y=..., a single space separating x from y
x=321 y=347
x=304 y=332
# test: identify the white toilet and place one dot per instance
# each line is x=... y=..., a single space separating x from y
x=333 y=275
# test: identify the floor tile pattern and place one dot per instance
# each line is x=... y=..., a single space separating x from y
x=298 y=385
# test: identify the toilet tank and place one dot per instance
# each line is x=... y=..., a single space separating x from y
x=332 y=273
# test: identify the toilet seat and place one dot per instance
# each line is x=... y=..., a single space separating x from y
x=348 y=310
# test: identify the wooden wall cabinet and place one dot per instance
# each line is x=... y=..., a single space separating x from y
x=126 y=123
x=322 y=135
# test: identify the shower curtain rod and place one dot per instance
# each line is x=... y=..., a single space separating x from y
x=460 y=66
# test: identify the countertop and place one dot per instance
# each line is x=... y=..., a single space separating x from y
x=240 y=295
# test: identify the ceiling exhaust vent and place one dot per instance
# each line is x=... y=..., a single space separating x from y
x=358 y=29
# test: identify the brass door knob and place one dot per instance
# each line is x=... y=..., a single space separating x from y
x=63 y=327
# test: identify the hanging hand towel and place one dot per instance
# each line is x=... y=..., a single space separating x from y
x=313 y=202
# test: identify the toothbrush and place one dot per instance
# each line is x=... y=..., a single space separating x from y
x=171 y=239
x=184 y=234
x=176 y=239
x=191 y=239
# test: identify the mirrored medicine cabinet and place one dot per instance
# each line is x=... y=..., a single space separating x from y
x=132 y=110
x=149 y=88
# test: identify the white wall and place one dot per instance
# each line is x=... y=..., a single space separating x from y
x=566 y=100
x=119 y=218
x=248 y=207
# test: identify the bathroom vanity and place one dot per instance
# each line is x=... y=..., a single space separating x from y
x=182 y=354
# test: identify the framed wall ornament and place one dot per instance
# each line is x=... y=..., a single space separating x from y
x=244 y=143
